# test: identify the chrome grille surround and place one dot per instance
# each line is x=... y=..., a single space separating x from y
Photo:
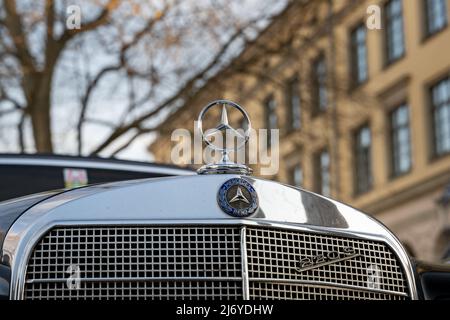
x=206 y=262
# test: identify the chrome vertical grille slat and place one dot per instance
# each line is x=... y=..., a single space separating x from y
x=206 y=262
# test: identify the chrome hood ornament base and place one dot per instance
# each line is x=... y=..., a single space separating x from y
x=225 y=166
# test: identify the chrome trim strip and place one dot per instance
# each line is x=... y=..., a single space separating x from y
x=245 y=281
x=136 y=279
x=93 y=164
x=327 y=285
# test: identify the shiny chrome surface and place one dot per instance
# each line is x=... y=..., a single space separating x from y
x=244 y=259
x=225 y=166
x=184 y=201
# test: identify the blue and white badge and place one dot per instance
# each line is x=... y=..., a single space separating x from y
x=238 y=198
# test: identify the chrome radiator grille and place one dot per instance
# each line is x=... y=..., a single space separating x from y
x=206 y=262
x=273 y=257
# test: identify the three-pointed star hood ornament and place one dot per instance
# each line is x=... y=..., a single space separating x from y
x=224 y=166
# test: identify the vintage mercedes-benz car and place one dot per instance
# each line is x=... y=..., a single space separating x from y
x=221 y=234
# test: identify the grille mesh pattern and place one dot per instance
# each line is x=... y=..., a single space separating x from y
x=124 y=262
x=275 y=255
x=204 y=262
x=128 y=290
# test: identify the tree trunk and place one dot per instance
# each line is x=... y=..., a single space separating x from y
x=40 y=112
x=40 y=88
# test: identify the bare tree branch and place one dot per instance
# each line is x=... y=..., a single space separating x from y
x=5 y=97
x=186 y=91
x=15 y=28
x=244 y=65
x=101 y=122
x=50 y=16
x=125 y=145
x=85 y=102
x=137 y=49
x=122 y=64
x=20 y=131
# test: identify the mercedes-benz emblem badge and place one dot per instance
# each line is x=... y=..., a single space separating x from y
x=238 y=198
x=224 y=165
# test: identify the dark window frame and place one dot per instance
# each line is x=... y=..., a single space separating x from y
x=393 y=128
x=426 y=9
x=293 y=88
x=292 y=172
x=268 y=112
x=354 y=55
x=360 y=189
x=319 y=83
x=388 y=33
x=318 y=173
x=432 y=110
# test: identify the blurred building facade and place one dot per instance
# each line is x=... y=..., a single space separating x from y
x=363 y=113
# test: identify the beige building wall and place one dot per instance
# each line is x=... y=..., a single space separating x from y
x=407 y=204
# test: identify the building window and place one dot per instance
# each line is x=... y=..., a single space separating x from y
x=322 y=174
x=297 y=176
x=294 y=104
x=363 y=144
x=400 y=141
x=271 y=116
x=440 y=96
x=359 y=54
x=319 y=85
x=395 y=42
x=436 y=11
